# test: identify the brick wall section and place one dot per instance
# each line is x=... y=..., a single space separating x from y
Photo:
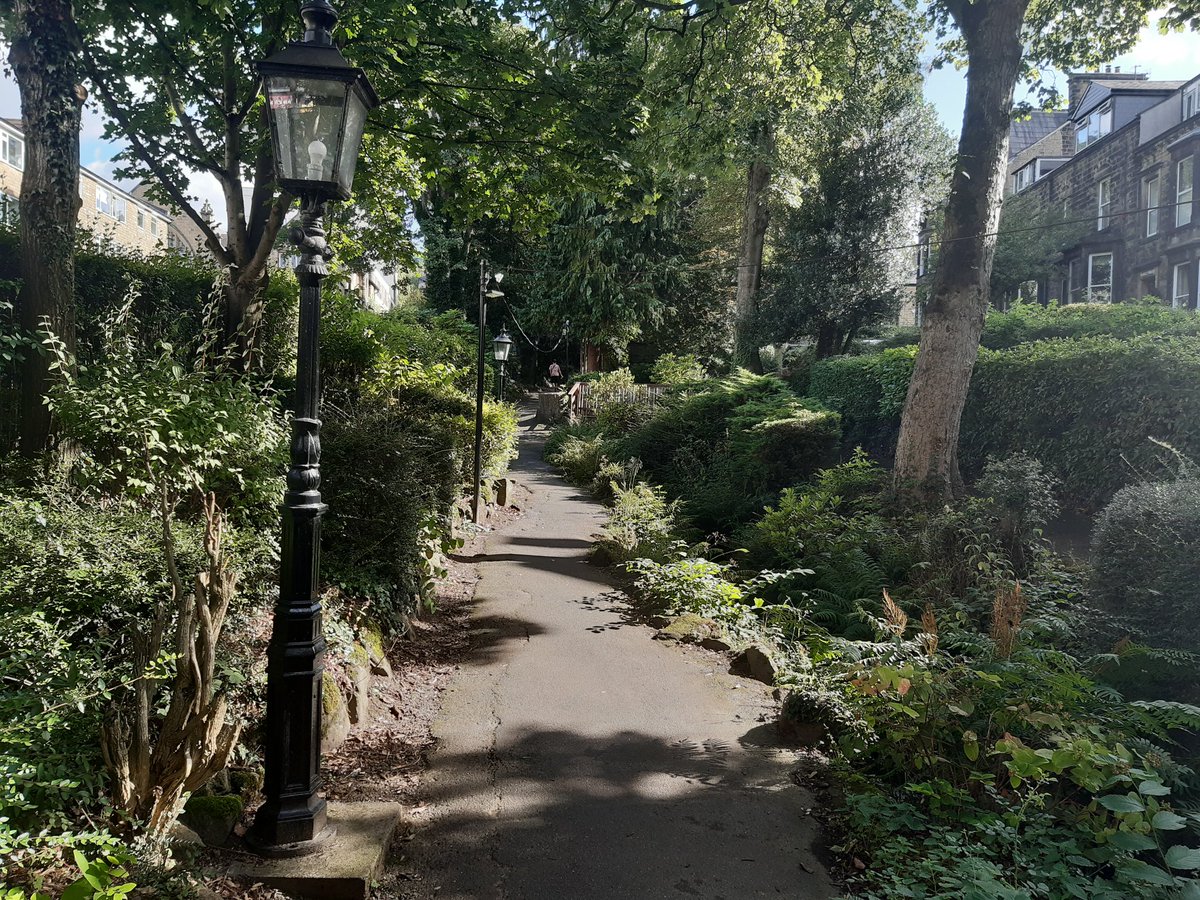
x=1141 y=264
x=1057 y=143
x=125 y=234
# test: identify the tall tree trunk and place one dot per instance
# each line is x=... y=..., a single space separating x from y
x=828 y=340
x=754 y=232
x=45 y=56
x=926 y=468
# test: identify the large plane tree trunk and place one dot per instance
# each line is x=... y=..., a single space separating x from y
x=45 y=55
x=926 y=468
x=754 y=233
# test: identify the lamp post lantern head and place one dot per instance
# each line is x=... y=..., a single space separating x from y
x=317 y=104
x=502 y=346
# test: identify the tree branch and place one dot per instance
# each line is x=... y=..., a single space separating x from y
x=113 y=109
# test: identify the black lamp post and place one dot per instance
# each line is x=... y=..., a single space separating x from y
x=317 y=105
x=489 y=289
x=501 y=348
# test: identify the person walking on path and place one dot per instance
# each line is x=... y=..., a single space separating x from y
x=555 y=374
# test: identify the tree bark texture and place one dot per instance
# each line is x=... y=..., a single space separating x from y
x=926 y=469
x=155 y=758
x=45 y=54
x=754 y=233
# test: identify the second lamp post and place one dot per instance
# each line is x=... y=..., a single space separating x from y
x=489 y=289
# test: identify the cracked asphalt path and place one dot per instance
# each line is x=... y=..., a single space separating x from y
x=579 y=758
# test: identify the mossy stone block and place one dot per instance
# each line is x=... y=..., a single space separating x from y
x=213 y=817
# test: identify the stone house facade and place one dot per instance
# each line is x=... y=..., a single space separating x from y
x=1122 y=170
x=111 y=213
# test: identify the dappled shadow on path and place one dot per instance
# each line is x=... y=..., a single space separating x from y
x=541 y=541
x=625 y=814
x=493 y=636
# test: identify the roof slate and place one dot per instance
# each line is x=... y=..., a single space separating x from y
x=1026 y=132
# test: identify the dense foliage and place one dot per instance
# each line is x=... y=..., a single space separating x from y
x=1147 y=553
x=955 y=672
x=396 y=448
x=168 y=499
x=1087 y=404
x=721 y=447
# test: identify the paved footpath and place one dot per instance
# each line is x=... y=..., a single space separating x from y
x=579 y=758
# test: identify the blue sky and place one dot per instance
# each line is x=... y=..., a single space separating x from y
x=1169 y=57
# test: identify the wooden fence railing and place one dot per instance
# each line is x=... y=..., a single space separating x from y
x=582 y=400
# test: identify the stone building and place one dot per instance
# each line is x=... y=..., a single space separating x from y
x=1119 y=166
x=111 y=213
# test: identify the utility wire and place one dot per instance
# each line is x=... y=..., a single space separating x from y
x=561 y=337
x=939 y=241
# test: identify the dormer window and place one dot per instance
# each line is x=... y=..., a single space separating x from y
x=1191 y=100
x=1024 y=177
x=12 y=151
x=1094 y=127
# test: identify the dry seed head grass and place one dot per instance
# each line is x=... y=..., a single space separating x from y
x=895 y=617
x=1008 y=609
x=929 y=629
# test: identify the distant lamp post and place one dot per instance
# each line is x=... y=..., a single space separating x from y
x=317 y=104
x=489 y=289
x=501 y=348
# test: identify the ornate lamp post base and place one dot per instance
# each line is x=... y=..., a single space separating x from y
x=287 y=851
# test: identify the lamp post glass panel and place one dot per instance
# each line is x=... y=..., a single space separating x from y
x=501 y=348
x=318 y=105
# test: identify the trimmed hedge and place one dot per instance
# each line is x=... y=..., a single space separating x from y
x=397 y=447
x=869 y=393
x=1086 y=408
x=1147 y=560
x=172 y=290
x=1028 y=322
x=732 y=446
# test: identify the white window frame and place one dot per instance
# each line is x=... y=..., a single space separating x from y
x=141 y=219
x=1024 y=177
x=1181 y=289
x=111 y=204
x=12 y=151
x=154 y=226
x=923 y=259
x=1092 y=285
x=1098 y=124
x=1191 y=100
x=1104 y=202
x=10 y=208
x=1152 y=190
x=1184 y=175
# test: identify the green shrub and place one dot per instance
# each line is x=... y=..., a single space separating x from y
x=356 y=342
x=172 y=293
x=394 y=460
x=869 y=392
x=730 y=445
x=689 y=585
x=1086 y=408
x=1146 y=552
x=640 y=525
x=1028 y=322
x=839 y=553
x=579 y=454
x=676 y=369
x=1022 y=501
